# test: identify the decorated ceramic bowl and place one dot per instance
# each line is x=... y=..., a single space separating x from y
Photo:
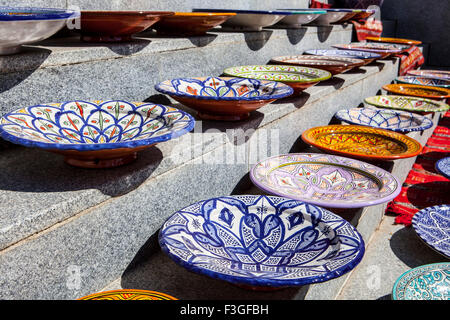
x=399 y=121
x=362 y=142
x=383 y=50
x=116 y=26
x=299 y=78
x=191 y=23
x=417 y=91
x=443 y=167
x=98 y=134
x=261 y=242
x=299 y=18
x=333 y=16
x=363 y=14
x=325 y=180
x=407 y=103
x=20 y=25
x=128 y=294
x=224 y=98
x=434 y=74
x=365 y=56
x=423 y=81
x=432 y=225
x=428 y=282
x=334 y=65
x=394 y=40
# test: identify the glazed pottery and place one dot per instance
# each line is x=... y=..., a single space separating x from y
x=116 y=26
x=384 y=51
x=428 y=282
x=299 y=78
x=128 y=294
x=299 y=18
x=434 y=74
x=432 y=225
x=20 y=25
x=191 y=23
x=224 y=98
x=423 y=81
x=98 y=134
x=261 y=242
x=362 y=142
x=415 y=90
x=443 y=167
x=407 y=103
x=333 y=16
x=363 y=14
x=367 y=57
x=325 y=180
x=394 y=40
x=399 y=121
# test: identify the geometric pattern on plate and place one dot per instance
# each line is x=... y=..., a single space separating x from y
x=443 y=167
x=128 y=294
x=261 y=241
x=435 y=74
x=399 y=121
x=424 y=81
x=417 y=90
x=325 y=180
x=344 y=53
x=316 y=60
x=371 y=47
x=407 y=103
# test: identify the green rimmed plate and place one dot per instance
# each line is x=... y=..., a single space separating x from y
x=407 y=103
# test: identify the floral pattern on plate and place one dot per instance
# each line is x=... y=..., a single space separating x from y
x=443 y=167
x=414 y=104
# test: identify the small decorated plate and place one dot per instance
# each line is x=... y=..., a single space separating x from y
x=261 y=242
x=368 y=57
x=407 y=103
x=299 y=78
x=394 y=40
x=423 y=81
x=443 y=167
x=98 y=134
x=428 y=282
x=224 y=98
x=399 y=121
x=434 y=74
x=417 y=91
x=384 y=50
x=325 y=180
x=128 y=294
x=362 y=142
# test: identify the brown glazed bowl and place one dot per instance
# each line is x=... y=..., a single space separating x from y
x=116 y=26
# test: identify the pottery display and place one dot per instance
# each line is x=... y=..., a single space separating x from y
x=98 y=134
x=299 y=78
x=399 y=121
x=383 y=50
x=22 y=25
x=434 y=74
x=116 y=26
x=443 y=167
x=128 y=294
x=298 y=18
x=432 y=225
x=363 y=14
x=333 y=16
x=415 y=90
x=224 y=98
x=407 y=103
x=334 y=65
x=367 y=57
x=325 y=180
x=423 y=81
x=261 y=242
x=428 y=282
x=394 y=40
x=190 y=23
x=362 y=142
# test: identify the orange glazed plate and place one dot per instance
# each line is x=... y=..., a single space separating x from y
x=418 y=91
x=394 y=40
x=128 y=294
x=362 y=142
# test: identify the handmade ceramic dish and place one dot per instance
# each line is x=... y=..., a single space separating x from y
x=406 y=103
x=128 y=294
x=432 y=225
x=116 y=26
x=333 y=16
x=428 y=282
x=20 y=25
x=423 y=81
x=399 y=121
x=384 y=51
x=417 y=91
x=443 y=167
x=334 y=65
x=367 y=57
x=362 y=142
x=190 y=23
x=325 y=180
x=261 y=242
x=298 y=18
x=394 y=40
x=298 y=78
x=98 y=134
x=434 y=74
x=224 y=98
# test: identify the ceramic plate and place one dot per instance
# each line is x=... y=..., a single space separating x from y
x=368 y=57
x=423 y=81
x=384 y=51
x=394 y=40
x=261 y=241
x=434 y=74
x=432 y=225
x=128 y=294
x=299 y=18
x=365 y=13
x=443 y=167
x=418 y=91
x=407 y=103
x=362 y=142
x=399 y=121
x=428 y=282
x=325 y=180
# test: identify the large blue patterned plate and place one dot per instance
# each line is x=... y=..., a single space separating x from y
x=428 y=282
x=443 y=167
x=399 y=121
x=432 y=225
x=261 y=241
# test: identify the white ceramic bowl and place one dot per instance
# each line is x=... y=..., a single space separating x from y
x=299 y=18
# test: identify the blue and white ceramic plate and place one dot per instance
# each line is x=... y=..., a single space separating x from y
x=399 y=121
x=432 y=225
x=428 y=282
x=344 y=53
x=261 y=241
x=424 y=81
x=443 y=167
x=32 y=13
